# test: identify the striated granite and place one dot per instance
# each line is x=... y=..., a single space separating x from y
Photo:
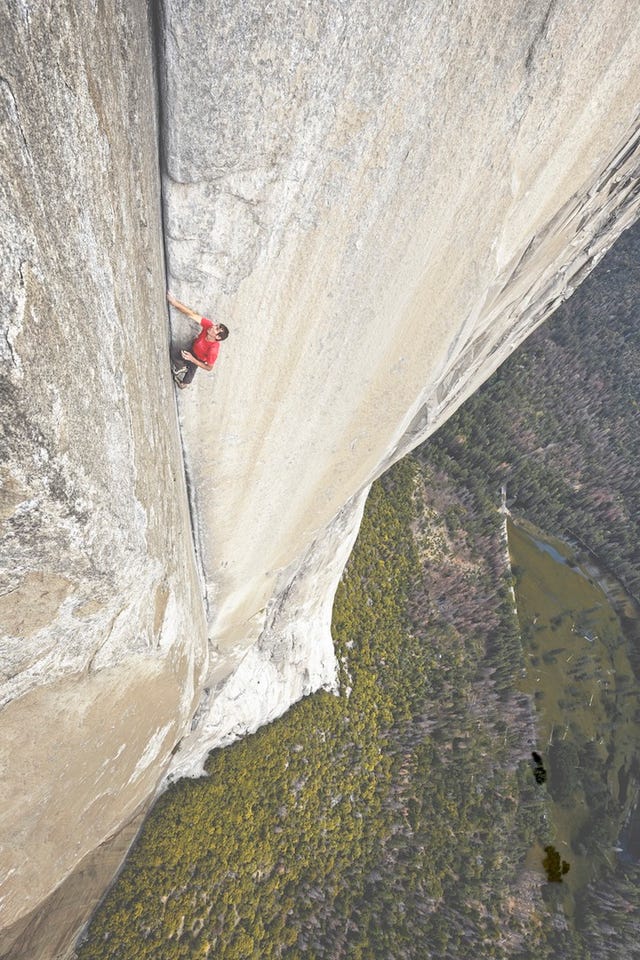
x=382 y=201
x=102 y=637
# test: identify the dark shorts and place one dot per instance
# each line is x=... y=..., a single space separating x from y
x=190 y=371
x=178 y=363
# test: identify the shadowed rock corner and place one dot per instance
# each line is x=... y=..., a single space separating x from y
x=50 y=931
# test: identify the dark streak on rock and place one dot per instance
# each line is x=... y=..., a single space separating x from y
x=14 y=102
x=539 y=37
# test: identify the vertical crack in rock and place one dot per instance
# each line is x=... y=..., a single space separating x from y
x=156 y=21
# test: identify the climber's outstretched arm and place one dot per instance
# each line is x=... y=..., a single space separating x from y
x=184 y=309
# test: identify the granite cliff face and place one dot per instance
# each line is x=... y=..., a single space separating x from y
x=101 y=622
x=382 y=201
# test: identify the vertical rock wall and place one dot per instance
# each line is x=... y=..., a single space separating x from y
x=101 y=615
x=381 y=200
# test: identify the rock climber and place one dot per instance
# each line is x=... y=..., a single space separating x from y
x=204 y=349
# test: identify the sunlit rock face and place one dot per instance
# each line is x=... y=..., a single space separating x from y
x=102 y=634
x=381 y=200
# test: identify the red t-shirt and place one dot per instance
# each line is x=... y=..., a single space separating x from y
x=203 y=349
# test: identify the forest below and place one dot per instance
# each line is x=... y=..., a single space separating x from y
x=394 y=820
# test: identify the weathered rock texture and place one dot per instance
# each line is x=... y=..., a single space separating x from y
x=381 y=200
x=49 y=931
x=101 y=623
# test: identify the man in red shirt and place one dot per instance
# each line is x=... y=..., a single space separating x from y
x=204 y=349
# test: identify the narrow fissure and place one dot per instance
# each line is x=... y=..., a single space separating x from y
x=156 y=18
